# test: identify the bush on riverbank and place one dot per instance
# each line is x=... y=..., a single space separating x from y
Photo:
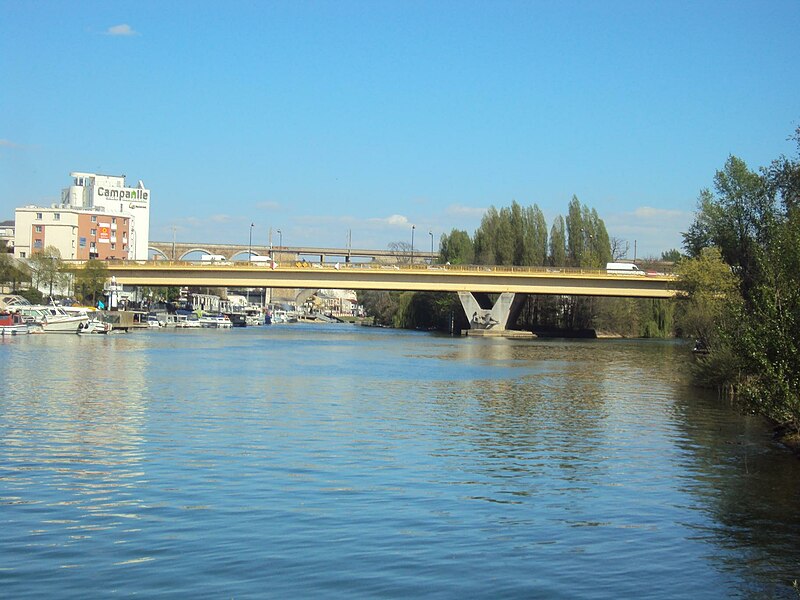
x=743 y=281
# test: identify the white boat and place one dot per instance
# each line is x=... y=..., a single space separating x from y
x=153 y=322
x=54 y=319
x=94 y=326
x=187 y=322
x=215 y=321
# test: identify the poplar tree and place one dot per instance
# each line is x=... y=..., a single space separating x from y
x=558 y=248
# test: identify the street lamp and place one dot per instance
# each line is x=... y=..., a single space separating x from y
x=413 y=227
x=280 y=239
x=430 y=233
x=250 y=245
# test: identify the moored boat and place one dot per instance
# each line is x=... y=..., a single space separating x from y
x=212 y=321
x=54 y=319
x=12 y=324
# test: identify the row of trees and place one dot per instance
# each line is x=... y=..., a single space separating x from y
x=743 y=282
x=45 y=273
x=519 y=236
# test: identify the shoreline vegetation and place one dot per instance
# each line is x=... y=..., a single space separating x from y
x=739 y=272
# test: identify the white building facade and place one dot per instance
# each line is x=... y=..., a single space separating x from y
x=107 y=193
x=98 y=217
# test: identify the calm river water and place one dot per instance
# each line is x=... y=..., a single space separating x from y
x=339 y=461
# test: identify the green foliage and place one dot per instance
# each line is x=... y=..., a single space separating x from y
x=672 y=256
x=32 y=295
x=558 y=243
x=457 y=248
x=11 y=273
x=658 y=317
x=48 y=269
x=711 y=289
x=426 y=310
x=379 y=305
x=588 y=243
x=90 y=281
x=512 y=236
x=750 y=321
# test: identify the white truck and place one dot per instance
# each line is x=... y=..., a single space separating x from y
x=213 y=258
x=263 y=260
x=620 y=268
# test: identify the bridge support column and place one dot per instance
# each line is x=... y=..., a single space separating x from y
x=487 y=317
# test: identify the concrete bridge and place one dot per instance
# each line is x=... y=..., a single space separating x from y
x=180 y=250
x=472 y=283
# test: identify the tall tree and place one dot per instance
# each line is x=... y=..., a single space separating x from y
x=558 y=241
x=457 y=248
x=575 y=234
x=90 y=280
x=48 y=269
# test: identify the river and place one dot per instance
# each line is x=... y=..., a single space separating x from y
x=347 y=462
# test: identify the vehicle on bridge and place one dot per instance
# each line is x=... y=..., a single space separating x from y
x=620 y=268
x=265 y=261
x=217 y=259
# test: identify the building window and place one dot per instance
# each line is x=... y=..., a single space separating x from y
x=39 y=216
x=37 y=243
x=56 y=216
x=113 y=219
x=124 y=246
x=94 y=232
x=38 y=229
x=83 y=242
x=113 y=246
x=22 y=255
x=94 y=218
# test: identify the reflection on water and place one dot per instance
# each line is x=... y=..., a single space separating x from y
x=342 y=461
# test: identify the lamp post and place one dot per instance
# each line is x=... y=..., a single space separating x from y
x=430 y=233
x=413 y=227
x=280 y=240
x=250 y=245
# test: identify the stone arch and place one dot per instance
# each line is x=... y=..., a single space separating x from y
x=158 y=251
x=198 y=249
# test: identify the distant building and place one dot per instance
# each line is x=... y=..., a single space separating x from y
x=98 y=217
x=7 y=236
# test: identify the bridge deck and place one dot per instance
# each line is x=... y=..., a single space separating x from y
x=436 y=278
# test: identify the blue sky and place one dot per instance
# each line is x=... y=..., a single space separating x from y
x=323 y=118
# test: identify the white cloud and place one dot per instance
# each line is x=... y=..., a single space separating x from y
x=465 y=211
x=8 y=144
x=653 y=229
x=648 y=212
x=121 y=30
x=396 y=221
x=269 y=205
x=220 y=218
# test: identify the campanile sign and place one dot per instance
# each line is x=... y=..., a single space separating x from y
x=126 y=194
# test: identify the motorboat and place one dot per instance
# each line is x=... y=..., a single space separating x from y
x=213 y=321
x=94 y=326
x=12 y=324
x=54 y=319
x=237 y=319
x=254 y=316
x=187 y=321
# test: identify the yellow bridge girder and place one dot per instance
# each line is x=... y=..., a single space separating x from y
x=358 y=276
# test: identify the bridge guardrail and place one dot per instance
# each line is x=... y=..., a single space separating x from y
x=374 y=266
